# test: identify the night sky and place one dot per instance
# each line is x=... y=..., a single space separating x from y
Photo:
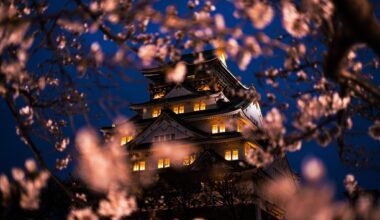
x=13 y=152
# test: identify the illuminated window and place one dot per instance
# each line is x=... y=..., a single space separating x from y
x=125 y=140
x=175 y=109
x=189 y=160
x=200 y=106
x=238 y=127
x=231 y=154
x=179 y=109
x=214 y=129
x=235 y=154
x=203 y=105
x=158 y=95
x=204 y=88
x=222 y=128
x=130 y=137
x=163 y=163
x=196 y=106
x=139 y=166
x=249 y=146
x=156 y=112
x=218 y=128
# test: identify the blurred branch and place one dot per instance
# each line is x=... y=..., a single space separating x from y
x=358 y=25
x=36 y=152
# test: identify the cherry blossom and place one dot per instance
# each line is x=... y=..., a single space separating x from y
x=261 y=14
x=295 y=23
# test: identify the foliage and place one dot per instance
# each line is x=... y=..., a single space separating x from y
x=54 y=55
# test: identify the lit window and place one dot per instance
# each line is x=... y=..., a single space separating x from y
x=179 y=109
x=163 y=163
x=204 y=88
x=203 y=105
x=189 y=160
x=231 y=154
x=235 y=154
x=139 y=166
x=125 y=140
x=130 y=137
x=218 y=128
x=214 y=129
x=238 y=127
x=227 y=155
x=175 y=109
x=248 y=147
x=222 y=128
x=156 y=112
x=158 y=95
x=196 y=106
x=200 y=106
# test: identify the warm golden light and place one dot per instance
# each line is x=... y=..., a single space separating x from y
x=238 y=127
x=160 y=163
x=235 y=154
x=231 y=154
x=181 y=109
x=248 y=146
x=218 y=128
x=175 y=109
x=227 y=155
x=203 y=105
x=196 y=106
x=204 y=88
x=123 y=140
x=156 y=112
x=130 y=138
x=142 y=165
x=214 y=129
x=163 y=163
x=158 y=95
x=139 y=166
x=222 y=128
x=188 y=160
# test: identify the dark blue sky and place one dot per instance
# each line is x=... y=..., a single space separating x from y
x=13 y=152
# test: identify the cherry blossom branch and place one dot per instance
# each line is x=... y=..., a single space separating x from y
x=36 y=152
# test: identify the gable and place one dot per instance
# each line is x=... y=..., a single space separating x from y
x=178 y=91
x=163 y=129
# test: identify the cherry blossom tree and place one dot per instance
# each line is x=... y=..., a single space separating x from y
x=320 y=78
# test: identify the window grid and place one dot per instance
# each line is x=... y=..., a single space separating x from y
x=163 y=163
x=218 y=128
x=231 y=154
x=139 y=166
x=179 y=109
x=200 y=106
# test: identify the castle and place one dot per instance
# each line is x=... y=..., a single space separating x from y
x=216 y=115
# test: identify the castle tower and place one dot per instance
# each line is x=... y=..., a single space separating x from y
x=212 y=111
